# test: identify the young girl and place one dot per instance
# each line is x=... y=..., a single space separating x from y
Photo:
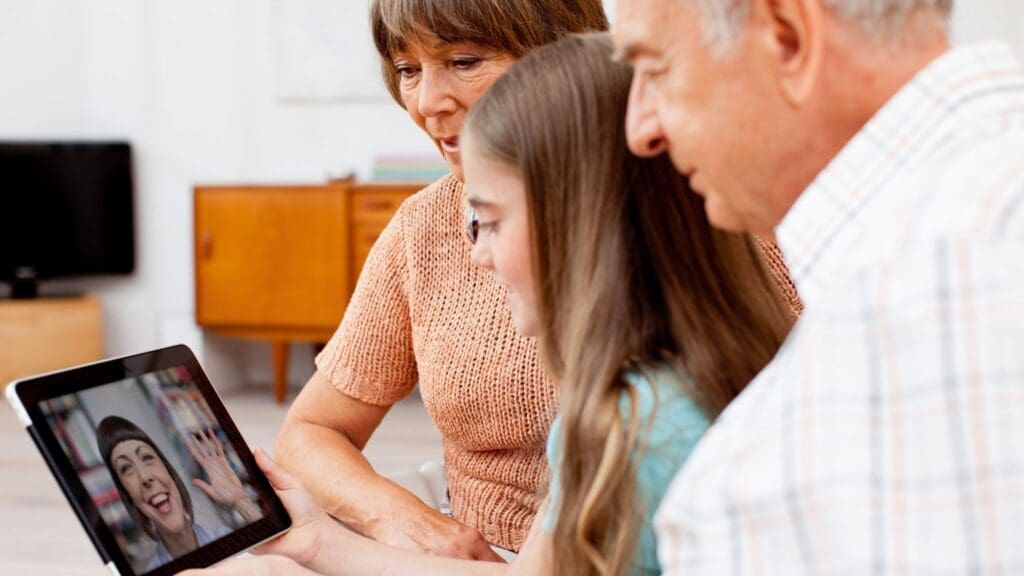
x=650 y=320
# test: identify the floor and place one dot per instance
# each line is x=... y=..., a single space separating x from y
x=45 y=538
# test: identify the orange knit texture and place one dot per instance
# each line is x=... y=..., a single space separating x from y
x=423 y=313
x=780 y=273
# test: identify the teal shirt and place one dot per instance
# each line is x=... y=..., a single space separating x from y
x=670 y=433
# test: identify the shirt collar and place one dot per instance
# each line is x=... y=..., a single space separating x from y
x=821 y=232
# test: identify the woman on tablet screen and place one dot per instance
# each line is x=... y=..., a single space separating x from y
x=155 y=495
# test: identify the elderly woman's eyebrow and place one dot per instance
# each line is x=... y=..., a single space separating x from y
x=448 y=43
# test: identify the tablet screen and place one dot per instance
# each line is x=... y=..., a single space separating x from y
x=157 y=464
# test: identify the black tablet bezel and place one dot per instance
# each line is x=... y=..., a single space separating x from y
x=31 y=392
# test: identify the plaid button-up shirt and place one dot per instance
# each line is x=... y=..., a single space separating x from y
x=887 y=436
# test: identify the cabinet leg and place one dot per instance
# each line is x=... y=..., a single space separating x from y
x=280 y=353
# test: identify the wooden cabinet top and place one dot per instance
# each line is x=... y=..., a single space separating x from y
x=279 y=261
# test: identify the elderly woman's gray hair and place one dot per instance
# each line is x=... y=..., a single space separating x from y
x=511 y=26
x=723 y=19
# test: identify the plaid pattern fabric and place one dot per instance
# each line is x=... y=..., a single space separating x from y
x=887 y=436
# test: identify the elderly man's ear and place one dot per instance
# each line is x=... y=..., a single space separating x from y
x=790 y=35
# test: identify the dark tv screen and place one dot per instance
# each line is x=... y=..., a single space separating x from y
x=66 y=209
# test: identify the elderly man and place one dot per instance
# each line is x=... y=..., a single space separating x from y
x=887 y=437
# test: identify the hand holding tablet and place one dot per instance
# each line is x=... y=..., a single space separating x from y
x=315 y=544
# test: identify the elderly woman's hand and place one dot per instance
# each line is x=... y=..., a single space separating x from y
x=315 y=536
x=311 y=526
x=434 y=533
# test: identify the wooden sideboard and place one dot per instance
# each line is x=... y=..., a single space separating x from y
x=279 y=263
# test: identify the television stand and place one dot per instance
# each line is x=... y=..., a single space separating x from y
x=24 y=289
x=45 y=334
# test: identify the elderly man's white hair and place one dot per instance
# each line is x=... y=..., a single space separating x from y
x=723 y=19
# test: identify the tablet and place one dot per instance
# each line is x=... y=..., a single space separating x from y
x=150 y=461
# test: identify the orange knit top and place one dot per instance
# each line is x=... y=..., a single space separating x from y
x=780 y=273
x=422 y=312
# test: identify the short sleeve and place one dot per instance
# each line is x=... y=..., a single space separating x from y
x=370 y=357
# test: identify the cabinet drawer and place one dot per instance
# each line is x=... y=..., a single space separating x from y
x=375 y=206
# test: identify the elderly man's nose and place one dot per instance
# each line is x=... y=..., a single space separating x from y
x=645 y=138
x=643 y=127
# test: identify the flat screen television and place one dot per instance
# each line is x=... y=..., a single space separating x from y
x=66 y=211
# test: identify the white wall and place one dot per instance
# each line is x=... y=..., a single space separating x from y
x=190 y=84
x=975 y=20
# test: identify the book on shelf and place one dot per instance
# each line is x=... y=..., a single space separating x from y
x=183 y=410
x=404 y=168
x=100 y=486
x=76 y=436
x=116 y=516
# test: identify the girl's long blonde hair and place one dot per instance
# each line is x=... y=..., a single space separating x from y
x=630 y=276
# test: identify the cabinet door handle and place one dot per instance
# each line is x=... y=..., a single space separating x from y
x=206 y=246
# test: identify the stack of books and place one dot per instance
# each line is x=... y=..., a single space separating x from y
x=409 y=168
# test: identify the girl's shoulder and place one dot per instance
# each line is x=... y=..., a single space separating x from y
x=664 y=402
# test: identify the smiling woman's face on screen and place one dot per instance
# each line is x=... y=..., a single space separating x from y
x=149 y=484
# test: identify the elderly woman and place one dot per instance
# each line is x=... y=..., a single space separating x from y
x=422 y=313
